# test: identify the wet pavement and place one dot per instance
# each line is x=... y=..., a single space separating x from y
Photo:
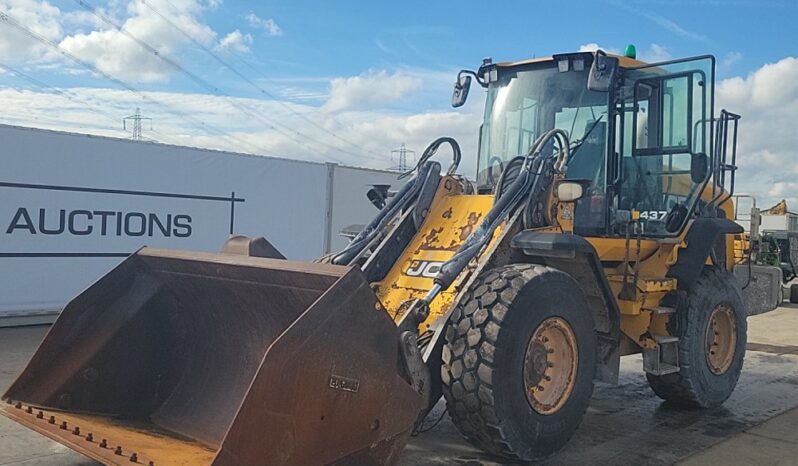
x=625 y=424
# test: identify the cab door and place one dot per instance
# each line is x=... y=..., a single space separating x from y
x=663 y=138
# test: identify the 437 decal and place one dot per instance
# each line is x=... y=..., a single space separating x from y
x=653 y=214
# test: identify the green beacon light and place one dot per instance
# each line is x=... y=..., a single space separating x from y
x=630 y=51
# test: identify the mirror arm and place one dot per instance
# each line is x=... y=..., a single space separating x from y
x=476 y=76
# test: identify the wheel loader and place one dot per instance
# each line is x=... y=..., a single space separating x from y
x=599 y=225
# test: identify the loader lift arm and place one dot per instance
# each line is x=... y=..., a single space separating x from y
x=526 y=189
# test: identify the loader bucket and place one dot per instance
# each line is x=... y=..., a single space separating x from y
x=193 y=358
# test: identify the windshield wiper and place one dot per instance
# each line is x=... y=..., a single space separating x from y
x=578 y=143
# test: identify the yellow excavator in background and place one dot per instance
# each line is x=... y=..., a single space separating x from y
x=599 y=225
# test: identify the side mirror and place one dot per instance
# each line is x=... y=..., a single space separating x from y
x=675 y=218
x=602 y=72
x=571 y=191
x=699 y=167
x=461 y=88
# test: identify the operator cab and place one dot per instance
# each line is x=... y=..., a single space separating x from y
x=640 y=139
x=531 y=98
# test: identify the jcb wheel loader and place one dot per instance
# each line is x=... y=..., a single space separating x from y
x=598 y=226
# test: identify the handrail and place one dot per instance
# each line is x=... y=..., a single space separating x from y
x=720 y=156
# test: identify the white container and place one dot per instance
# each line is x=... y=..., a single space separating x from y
x=72 y=206
x=786 y=222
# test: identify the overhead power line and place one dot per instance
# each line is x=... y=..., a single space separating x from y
x=300 y=138
x=66 y=95
x=249 y=81
x=71 y=96
x=5 y=18
x=198 y=80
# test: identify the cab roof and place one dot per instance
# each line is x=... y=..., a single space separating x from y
x=624 y=61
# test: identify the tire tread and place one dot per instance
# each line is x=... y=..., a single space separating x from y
x=682 y=387
x=478 y=321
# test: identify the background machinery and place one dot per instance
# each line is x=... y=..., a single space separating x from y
x=600 y=225
x=769 y=243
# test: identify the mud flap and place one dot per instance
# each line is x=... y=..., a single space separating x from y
x=195 y=358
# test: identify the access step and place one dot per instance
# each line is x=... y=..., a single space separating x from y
x=665 y=339
x=664 y=358
x=661 y=310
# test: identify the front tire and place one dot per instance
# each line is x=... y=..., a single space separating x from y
x=712 y=330
x=519 y=361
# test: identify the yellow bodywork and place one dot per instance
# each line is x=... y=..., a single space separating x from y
x=624 y=61
x=742 y=248
x=451 y=219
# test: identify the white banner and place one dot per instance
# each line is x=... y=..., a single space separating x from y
x=58 y=221
x=72 y=206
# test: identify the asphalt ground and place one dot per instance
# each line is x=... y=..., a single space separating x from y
x=626 y=424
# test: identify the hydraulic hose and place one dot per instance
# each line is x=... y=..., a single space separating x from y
x=524 y=184
x=400 y=201
x=432 y=149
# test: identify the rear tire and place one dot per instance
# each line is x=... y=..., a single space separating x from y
x=711 y=326
x=503 y=391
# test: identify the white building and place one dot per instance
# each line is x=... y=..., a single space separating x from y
x=73 y=205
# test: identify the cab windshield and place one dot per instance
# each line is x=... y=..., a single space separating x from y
x=529 y=100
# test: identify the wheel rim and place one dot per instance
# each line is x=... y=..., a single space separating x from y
x=721 y=339
x=550 y=364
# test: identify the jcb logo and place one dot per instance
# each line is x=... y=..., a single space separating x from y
x=426 y=269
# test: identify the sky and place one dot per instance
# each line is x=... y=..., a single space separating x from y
x=350 y=81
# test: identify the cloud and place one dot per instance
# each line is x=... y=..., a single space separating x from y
x=40 y=17
x=354 y=136
x=114 y=53
x=672 y=26
x=592 y=47
x=767 y=99
x=371 y=88
x=661 y=21
x=409 y=43
x=655 y=53
x=236 y=41
x=729 y=60
x=364 y=111
x=268 y=25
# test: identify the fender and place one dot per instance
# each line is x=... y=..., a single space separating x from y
x=701 y=238
x=578 y=258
